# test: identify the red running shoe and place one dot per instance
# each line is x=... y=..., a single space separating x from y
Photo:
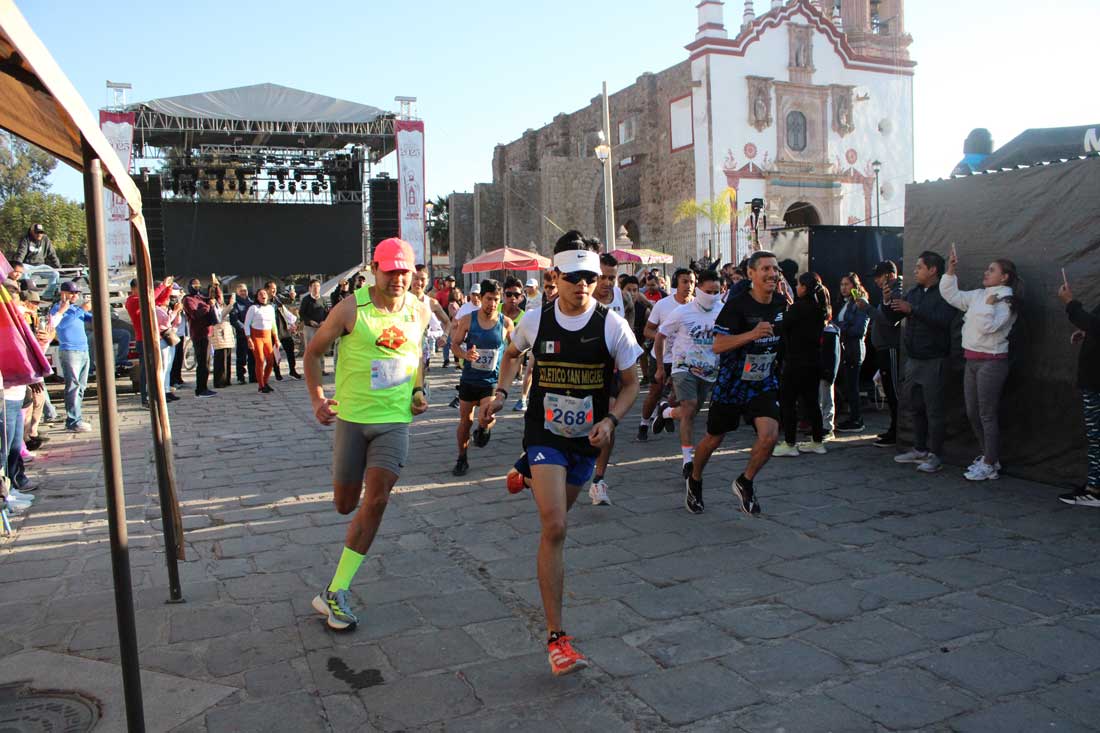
x=564 y=659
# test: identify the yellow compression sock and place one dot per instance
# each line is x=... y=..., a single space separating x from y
x=350 y=560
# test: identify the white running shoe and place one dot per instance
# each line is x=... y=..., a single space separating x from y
x=912 y=456
x=598 y=493
x=20 y=496
x=980 y=460
x=982 y=472
x=18 y=506
x=811 y=447
x=931 y=464
x=784 y=450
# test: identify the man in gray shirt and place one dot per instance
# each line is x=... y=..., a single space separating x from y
x=35 y=248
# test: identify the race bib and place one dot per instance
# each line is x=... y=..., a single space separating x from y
x=486 y=360
x=758 y=367
x=386 y=373
x=569 y=417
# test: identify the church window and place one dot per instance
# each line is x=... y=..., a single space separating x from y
x=796 y=131
x=628 y=130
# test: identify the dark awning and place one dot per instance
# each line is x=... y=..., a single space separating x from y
x=1045 y=145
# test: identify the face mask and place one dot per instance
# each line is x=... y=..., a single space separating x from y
x=705 y=300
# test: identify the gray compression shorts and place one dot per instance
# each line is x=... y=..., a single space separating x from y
x=357 y=447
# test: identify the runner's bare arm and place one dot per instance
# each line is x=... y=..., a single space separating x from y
x=509 y=329
x=441 y=314
x=650 y=330
x=338 y=323
x=628 y=392
x=459 y=328
x=658 y=347
x=419 y=400
x=509 y=366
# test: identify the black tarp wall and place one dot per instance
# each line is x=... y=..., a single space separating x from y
x=1042 y=218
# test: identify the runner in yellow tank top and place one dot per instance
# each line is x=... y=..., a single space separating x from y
x=379 y=388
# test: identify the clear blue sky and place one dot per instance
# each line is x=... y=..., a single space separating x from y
x=486 y=70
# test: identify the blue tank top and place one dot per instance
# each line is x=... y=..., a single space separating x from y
x=490 y=345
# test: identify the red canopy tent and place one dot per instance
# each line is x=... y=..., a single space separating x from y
x=641 y=256
x=507 y=258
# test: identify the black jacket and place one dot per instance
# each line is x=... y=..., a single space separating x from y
x=312 y=311
x=42 y=252
x=802 y=326
x=1088 y=360
x=928 y=327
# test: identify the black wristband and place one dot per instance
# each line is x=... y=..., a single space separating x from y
x=614 y=420
x=503 y=391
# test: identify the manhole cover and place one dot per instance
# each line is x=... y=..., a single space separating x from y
x=24 y=709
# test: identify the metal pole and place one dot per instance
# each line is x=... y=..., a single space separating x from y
x=109 y=439
x=171 y=524
x=608 y=187
x=878 y=204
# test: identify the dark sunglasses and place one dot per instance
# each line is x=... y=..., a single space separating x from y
x=513 y=294
x=574 y=278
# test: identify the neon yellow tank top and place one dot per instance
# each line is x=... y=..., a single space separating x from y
x=376 y=371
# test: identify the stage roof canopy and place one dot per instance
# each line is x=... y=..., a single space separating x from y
x=1043 y=145
x=260 y=114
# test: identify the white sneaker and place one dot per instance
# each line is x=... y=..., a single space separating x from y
x=931 y=464
x=784 y=450
x=80 y=427
x=812 y=447
x=20 y=496
x=16 y=506
x=597 y=492
x=912 y=456
x=980 y=460
x=982 y=471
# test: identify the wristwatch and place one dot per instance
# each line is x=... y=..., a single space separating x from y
x=614 y=420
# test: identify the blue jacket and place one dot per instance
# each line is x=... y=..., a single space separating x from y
x=853 y=333
x=239 y=311
x=71 y=335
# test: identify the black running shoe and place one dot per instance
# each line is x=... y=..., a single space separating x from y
x=693 y=495
x=686 y=471
x=747 y=495
x=886 y=440
x=454 y=403
x=481 y=436
x=850 y=426
x=659 y=420
x=461 y=466
x=171 y=398
x=643 y=433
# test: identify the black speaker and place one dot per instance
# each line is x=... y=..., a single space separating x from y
x=154 y=222
x=384 y=221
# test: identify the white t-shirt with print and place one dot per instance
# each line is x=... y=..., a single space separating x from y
x=661 y=310
x=690 y=330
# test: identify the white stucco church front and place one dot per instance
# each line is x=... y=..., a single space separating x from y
x=798 y=107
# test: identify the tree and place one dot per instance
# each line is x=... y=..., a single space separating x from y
x=717 y=212
x=23 y=167
x=439 y=230
x=63 y=219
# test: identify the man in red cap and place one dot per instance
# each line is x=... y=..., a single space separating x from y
x=379 y=388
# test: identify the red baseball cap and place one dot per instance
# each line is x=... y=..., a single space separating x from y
x=394 y=254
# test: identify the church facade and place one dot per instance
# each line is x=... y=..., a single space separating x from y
x=794 y=109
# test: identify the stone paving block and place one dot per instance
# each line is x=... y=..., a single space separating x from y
x=419 y=700
x=671 y=569
x=902 y=587
x=989 y=670
x=902 y=698
x=664 y=543
x=693 y=692
x=346 y=714
x=1024 y=598
x=523 y=678
x=1072 y=587
x=835 y=601
x=503 y=638
x=431 y=650
x=190 y=624
x=608 y=618
x=961 y=572
x=1078 y=700
x=1025 y=560
x=810 y=714
x=788 y=544
x=1003 y=613
x=299 y=712
x=848 y=535
x=383 y=620
x=459 y=609
x=618 y=658
x=1086 y=624
x=811 y=570
x=1016 y=716
x=770 y=621
x=240 y=652
x=867 y=639
x=784 y=669
x=684 y=641
x=587 y=711
x=744 y=585
x=1058 y=647
x=669 y=602
x=276 y=679
x=940 y=623
x=247 y=546
x=520 y=718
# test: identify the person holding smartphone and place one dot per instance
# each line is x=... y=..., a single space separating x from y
x=886 y=340
x=1088 y=381
x=853 y=322
x=988 y=316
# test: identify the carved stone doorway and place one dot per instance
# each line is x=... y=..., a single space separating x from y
x=802 y=214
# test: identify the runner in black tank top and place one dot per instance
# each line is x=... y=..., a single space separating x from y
x=576 y=344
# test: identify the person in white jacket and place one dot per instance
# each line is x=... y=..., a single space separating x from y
x=989 y=314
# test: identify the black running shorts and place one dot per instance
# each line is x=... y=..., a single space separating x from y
x=724 y=419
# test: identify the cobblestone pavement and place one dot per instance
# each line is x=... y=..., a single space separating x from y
x=866 y=597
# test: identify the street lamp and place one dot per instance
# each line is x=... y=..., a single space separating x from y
x=429 y=207
x=876 y=166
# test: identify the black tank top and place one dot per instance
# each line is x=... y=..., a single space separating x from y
x=570 y=389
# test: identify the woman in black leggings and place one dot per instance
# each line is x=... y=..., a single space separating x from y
x=802 y=327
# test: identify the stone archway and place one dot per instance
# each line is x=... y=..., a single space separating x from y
x=801 y=214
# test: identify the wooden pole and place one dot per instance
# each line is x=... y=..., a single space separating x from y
x=171 y=522
x=109 y=439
